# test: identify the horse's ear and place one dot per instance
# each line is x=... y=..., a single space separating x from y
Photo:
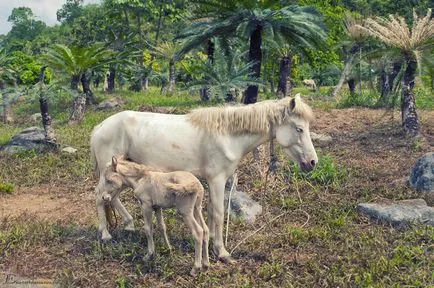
x=294 y=101
x=114 y=162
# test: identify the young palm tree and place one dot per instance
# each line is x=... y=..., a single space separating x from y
x=76 y=61
x=226 y=76
x=356 y=36
x=6 y=75
x=169 y=51
x=412 y=43
x=299 y=25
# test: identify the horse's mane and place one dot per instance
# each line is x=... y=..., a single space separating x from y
x=254 y=118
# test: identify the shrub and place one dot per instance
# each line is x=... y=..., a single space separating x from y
x=6 y=188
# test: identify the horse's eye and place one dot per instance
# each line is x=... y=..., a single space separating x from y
x=299 y=130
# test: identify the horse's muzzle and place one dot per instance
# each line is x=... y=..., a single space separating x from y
x=307 y=166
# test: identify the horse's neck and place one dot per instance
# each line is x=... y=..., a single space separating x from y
x=244 y=144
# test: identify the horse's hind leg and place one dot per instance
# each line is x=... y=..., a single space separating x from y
x=127 y=219
x=162 y=226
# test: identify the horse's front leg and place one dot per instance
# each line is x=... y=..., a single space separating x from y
x=217 y=193
x=102 y=219
x=127 y=219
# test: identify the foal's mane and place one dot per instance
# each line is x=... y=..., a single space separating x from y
x=254 y=118
x=132 y=169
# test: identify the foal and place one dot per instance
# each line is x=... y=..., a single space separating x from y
x=156 y=190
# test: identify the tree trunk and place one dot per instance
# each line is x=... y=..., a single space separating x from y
x=352 y=86
x=90 y=98
x=204 y=96
x=171 y=76
x=7 y=115
x=284 y=72
x=111 y=80
x=75 y=79
x=410 y=120
x=396 y=67
x=204 y=93
x=347 y=69
x=384 y=87
x=255 y=56
x=43 y=106
x=79 y=105
x=273 y=66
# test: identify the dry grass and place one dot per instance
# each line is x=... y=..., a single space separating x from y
x=319 y=241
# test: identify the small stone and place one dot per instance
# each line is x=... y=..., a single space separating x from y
x=422 y=173
x=321 y=138
x=69 y=150
x=399 y=213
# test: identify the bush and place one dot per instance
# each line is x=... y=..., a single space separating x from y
x=6 y=188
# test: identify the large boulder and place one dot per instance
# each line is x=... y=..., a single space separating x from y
x=32 y=138
x=422 y=174
x=110 y=104
x=399 y=213
x=242 y=205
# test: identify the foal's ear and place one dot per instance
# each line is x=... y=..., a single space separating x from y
x=114 y=162
x=294 y=101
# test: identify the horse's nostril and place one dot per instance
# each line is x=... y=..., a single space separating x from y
x=312 y=163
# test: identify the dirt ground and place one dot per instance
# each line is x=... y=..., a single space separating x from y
x=366 y=141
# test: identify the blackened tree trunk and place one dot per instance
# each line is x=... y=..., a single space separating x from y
x=273 y=65
x=204 y=93
x=352 y=85
x=255 y=56
x=111 y=79
x=347 y=68
x=85 y=83
x=384 y=87
x=410 y=120
x=171 y=75
x=43 y=106
x=284 y=72
x=7 y=115
x=396 y=68
x=75 y=79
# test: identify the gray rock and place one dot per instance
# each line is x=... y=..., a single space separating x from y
x=69 y=150
x=321 y=138
x=243 y=206
x=109 y=104
x=399 y=213
x=32 y=138
x=422 y=173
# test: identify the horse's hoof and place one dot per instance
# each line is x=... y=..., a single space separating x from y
x=106 y=237
x=130 y=227
x=194 y=271
x=205 y=265
x=227 y=259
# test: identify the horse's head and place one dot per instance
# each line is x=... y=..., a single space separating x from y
x=293 y=135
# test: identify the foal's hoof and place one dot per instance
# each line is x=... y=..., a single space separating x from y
x=227 y=259
x=106 y=237
x=194 y=271
x=130 y=227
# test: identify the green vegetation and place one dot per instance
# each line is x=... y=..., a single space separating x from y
x=6 y=188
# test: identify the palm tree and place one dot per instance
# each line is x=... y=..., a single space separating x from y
x=356 y=36
x=227 y=75
x=6 y=75
x=76 y=61
x=298 y=25
x=412 y=43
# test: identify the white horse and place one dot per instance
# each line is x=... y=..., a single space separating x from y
x=209 y=142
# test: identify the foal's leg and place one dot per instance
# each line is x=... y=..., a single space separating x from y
x=197 y=233
x=217 y=189
x=199 y=218
x=162 y=226
x=147 y=218
x=126 y=217
x=102 y=225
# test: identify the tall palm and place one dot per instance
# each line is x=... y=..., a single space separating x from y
x=76 y=61
x=6 y=75
x=356 y=36
x=412 y=43
x=299 y=25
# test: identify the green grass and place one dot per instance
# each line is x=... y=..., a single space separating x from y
x=6 y=188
